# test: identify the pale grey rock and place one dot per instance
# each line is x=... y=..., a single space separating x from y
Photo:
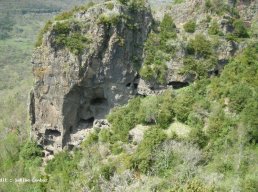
x=73 y=93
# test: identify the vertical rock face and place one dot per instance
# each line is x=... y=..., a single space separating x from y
x=75 y=89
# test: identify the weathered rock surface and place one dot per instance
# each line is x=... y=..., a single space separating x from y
x=224 y=49
x=73 y=92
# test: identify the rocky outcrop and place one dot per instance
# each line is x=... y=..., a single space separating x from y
x=223 y=47
x=75 y=90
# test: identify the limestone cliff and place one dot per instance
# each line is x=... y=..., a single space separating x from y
x=86 y=65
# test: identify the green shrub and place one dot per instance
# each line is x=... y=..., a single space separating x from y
x=199 y=68
x=157 y=110
x=30 y=150
x=75 y=42
x=107 y=171
x=61 y=28
x=124 y=119
x=167 y=29
x=240 y=29
x=183 y=104
x=239 y=96
x=199 y=46
x=214 y=28
x=62 y=162
x=142 y=158
x=64 y=16
x=216 y=6
x=190 y=26
x=91 y=139
x=157 y=52
x=108 y=20
x=178 y=1
x=110 y=5
x=105 y=135
x=117 y=148
x=135 y=5
x=124 y=2
x=42 y=32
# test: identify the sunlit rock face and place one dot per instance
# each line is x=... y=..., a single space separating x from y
x=74 y=91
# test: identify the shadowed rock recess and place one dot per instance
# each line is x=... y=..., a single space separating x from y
x=86 y=65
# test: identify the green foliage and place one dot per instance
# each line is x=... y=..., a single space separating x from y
x=240 y=29
x=105 y=135
x=124 y=2
x=107 y=171
x=42 y=32
x=75 y=41
x=216 y=6
x=61 y=28
x=239 y=96
x=142 y=158
x=199 y=68
x=157 y=52
x=157 y=110
x=123 y=119
x=110 y=5
x=92 y=138
x=167 y=29
x=214 y=28
x=108 y=20
x=61 y=162
x=135 y=5
x=199 y=46
x=178 y=1
x=30 y=151
x=190 y=26
x=201 y=57
x=116 y=148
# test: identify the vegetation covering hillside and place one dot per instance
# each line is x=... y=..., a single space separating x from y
x=199 y=138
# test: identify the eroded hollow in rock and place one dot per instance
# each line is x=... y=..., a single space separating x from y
x=51 y=136
x=83 y=105
x=178 y=84
x=52 y=133
x=98 y=101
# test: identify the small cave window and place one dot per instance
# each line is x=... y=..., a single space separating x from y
x=98 y=101
x=178 y=84
x=50 y=132
x=128 y=85
x=87 y=121
x=135 y=85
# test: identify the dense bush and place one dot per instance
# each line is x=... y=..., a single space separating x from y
x=190 y=26
x=240 y=29
x=123 y=119
x=108 y=20
x=64 y=37
x=30 y=150
x=214 y=28
x=199 y=46
x=216 y=6
x=142 y=158
x=157 y=52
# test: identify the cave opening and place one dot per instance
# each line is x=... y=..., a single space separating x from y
x=178 y=84
x=51 y=132
x=98 y=101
